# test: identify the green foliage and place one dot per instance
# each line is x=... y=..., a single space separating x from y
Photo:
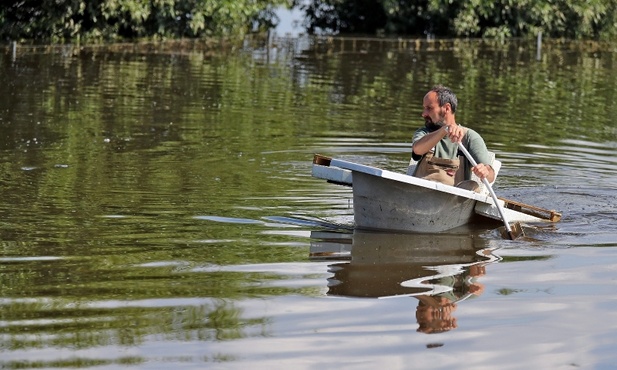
x=365 y=16
x=579 y=19
x=575 y=19
x=58 y=20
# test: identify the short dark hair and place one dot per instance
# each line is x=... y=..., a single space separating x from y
x=445 y=95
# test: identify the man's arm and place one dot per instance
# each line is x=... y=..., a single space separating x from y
x=427 y=142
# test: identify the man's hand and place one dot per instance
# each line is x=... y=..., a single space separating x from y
x=456 y=133
x=484 y=171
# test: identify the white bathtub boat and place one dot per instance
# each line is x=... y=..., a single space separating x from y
x=386 y=200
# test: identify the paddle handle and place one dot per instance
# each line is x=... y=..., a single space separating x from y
x=490 y=189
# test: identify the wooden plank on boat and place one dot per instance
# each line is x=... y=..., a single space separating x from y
x=321 y=160
x=517 y=212
x=546 y=214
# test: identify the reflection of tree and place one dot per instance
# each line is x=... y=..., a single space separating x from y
x=85 y=325
x=566 y=76
x=130 y=130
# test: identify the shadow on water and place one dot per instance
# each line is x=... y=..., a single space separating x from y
x=440 y=270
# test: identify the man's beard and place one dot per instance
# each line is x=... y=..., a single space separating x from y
x=432 y=126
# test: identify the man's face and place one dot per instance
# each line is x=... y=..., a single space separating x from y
x=433 y=113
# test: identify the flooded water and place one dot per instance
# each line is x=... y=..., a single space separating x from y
x=158 y=208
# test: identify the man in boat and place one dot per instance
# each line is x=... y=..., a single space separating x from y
x=435 y=145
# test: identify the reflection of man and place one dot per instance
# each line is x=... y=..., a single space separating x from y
x=434 y=313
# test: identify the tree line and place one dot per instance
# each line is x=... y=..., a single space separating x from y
x=61 y=20
x=572 y=19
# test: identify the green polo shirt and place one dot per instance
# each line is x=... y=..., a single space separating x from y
x=447 y=149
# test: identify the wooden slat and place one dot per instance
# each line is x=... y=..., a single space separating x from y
x=550 y=215
x=321 y=160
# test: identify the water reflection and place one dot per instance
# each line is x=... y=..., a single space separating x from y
x=439 y=270
x=158 y=201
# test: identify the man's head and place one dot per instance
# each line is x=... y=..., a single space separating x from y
x=439 y=106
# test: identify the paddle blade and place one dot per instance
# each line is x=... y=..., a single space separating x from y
x=516 y=231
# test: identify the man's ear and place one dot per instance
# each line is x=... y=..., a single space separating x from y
x=448 y=107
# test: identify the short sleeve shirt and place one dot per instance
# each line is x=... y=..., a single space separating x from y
x=449 y=150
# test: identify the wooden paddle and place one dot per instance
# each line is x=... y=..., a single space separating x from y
x=513 y=233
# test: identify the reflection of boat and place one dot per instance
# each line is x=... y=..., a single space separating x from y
x=381 y=265
x=386 y=200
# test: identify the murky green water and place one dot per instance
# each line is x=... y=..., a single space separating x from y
x=158 y=208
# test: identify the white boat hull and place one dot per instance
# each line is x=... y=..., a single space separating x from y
x=406 y=207
x=386 y=200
